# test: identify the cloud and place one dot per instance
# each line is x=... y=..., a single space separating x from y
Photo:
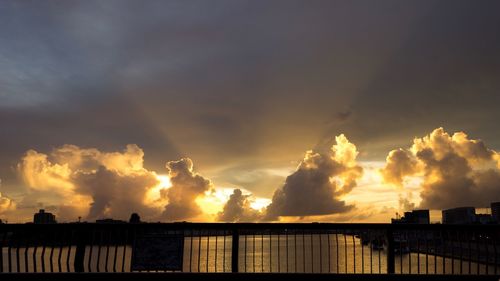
x=321 y=178
x=238 y=209
x=399 y=164
x=456 y=170
x=88 y=182
x=187 y=186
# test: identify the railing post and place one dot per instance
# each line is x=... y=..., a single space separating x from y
x=235 y=250
x=390 y=252
x=80 y=250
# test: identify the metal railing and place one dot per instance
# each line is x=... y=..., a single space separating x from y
x=261 y=248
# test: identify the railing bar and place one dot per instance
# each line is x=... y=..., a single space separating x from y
x=191 y=251
x=295 y=249
x=101 y=235
x=443 y=251
x=379 y=259
x=487 y=262
x=224 y=253
x=107 y=250
x=434 y=238
x=69 y=250
x=1 y=251
x=208 y=248
x=409 y=239
x=270 y=251
x=253 y=244
x=494 y=238
x=26 y=259
x=312 y=251
x=304 y=250
x=478 y=250
x=400 y=236
x=320 y=253
x=362 y=255
x=51 y=256
x=91 y=249
x=426 y=252
x=18 y=262
x=417 y=237
x=337 y=253
x=43 y=256
x=199 y=249
x=216 y=247
x=279 y=254
x=470 y=252
x=461 y=252
x=354 y=252
x=116 y=251
x=35 y=249
x=262 y=250
x=245 y=252
x=329 y=253
x=451 y=239
x=59 y=257
x=125 y=243
x=9 y=253
x=286 y=246
x=370 y=235
x=345 y=249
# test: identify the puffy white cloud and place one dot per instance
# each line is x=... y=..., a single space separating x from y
x=456 y=170
x=319 y=181
x=186 y=187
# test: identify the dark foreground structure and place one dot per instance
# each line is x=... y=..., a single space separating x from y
x=247 y=251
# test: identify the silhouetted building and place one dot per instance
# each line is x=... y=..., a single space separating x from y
x=109 y=221
x=462 y=215
x=484 y=219
x=1 y=221
x=135 y=218
x=44 y=217
x=415 y=216
x=495 y=211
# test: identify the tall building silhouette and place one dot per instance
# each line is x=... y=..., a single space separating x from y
x=44 y=217
x=495 y=211
x=461 y=215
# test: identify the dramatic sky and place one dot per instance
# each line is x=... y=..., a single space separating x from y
x=237 y=110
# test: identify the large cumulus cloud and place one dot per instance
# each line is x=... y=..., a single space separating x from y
x=316 y=187
x=88 y=182
x=455 y=170
x=187 y=186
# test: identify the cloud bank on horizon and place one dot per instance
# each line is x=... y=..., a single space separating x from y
x=73 y=181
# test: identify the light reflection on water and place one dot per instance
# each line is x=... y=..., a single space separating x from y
x=306 y=253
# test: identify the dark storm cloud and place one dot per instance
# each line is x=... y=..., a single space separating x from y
x=242 y=80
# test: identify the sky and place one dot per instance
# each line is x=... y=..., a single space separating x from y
x=342 y=111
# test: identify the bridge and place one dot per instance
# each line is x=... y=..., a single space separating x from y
x=249 y=251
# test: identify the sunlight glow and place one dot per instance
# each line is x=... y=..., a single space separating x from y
x=153 y=196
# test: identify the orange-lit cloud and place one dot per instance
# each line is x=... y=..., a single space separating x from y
x=187 y=186
x=6 y=204
x=239 y=209
x=90 y=183
x=321 y=178
x=456 y=170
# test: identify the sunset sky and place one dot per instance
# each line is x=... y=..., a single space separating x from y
x=280 y=110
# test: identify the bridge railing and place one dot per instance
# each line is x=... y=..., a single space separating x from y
x=251 y=248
